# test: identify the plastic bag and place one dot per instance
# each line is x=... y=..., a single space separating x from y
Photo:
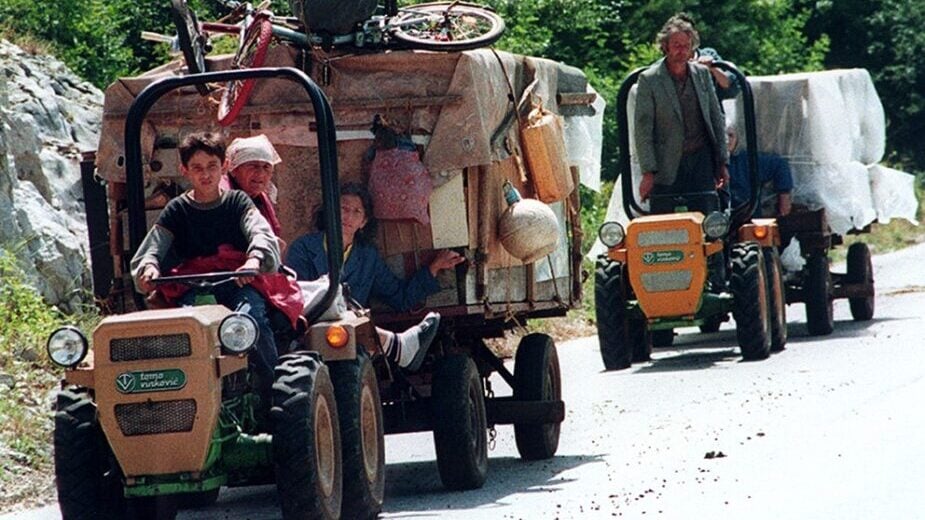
x=312 y=293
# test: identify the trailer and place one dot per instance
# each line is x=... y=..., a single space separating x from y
x=830 y=127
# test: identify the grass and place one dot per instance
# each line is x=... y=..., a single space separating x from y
x=27 y=384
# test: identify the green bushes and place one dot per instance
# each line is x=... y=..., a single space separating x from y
x=27 y=379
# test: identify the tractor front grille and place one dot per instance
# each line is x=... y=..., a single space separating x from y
x=154 y=417
x=661 y=281
x=665 y=237
x=150 y=347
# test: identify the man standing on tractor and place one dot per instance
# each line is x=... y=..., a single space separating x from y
x=679 y=126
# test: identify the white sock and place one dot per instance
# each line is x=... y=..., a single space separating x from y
x=408 y=345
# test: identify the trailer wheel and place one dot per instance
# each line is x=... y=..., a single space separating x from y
x=460 y=424
x=87 y=475
x=361 y=431
x=861 y=271
x=306 y=438
x=662 y=338
x=537 y=378
x=750 y=293
x=776 y=299
x=818 y=290
x=610 y=309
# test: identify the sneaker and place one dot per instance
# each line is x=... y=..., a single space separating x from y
x=416 y=341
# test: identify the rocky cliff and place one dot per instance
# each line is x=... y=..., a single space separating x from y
x=48 y=116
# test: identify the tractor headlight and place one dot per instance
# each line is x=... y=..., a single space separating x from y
x=611 y=233
x=67 y=346
x=716 y=225
x=238 y=333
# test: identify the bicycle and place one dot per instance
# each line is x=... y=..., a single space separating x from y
x=438 y=26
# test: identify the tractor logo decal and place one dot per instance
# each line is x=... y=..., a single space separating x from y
x=150 y=381
x=662 y=257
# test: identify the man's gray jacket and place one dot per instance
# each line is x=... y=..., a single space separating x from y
x=658 y=127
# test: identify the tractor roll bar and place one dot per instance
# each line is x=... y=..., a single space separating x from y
x=741 y=213
x=327 y=157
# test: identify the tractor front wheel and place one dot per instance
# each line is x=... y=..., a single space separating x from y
x=87 y=475
x=306 y=439
x=750 y=294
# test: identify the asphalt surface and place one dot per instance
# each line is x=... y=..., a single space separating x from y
x=829 y=428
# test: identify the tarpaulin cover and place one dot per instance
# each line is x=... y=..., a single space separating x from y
x=455 y=106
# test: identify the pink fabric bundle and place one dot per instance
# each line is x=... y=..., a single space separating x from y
x=400 y=185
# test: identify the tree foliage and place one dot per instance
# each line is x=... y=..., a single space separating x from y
x=886 y=38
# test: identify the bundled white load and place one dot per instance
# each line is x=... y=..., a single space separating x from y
x=891 y=191
x=826 y=117
x=843 y=189
x=831 y=128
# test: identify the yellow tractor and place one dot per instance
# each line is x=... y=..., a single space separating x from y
x=654 y=276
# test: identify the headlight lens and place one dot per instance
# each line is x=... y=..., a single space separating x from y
x=716 y=225
x=611 y=233
x=238 y=333
x=67 y=346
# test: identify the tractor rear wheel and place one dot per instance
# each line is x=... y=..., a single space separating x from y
x=662 y=338
x=750 y=294
x=713 y=323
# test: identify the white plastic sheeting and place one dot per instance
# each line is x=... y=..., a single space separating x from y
x=826 y=117
x=843 y=189
x=584 y=141
x=890 y=190
x=830 y=126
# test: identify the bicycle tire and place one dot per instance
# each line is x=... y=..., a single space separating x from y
x=190 y=40
x=464 y=27
x=251 y=54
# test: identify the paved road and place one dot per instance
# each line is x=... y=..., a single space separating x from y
x=829 y=428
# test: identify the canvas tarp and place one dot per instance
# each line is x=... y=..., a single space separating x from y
x=453 y=103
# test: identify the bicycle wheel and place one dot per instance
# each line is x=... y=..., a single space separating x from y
x=191 y=40
x=251 y=54
x=446 y=26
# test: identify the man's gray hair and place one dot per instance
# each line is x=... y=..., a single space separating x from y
x=679 y=23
